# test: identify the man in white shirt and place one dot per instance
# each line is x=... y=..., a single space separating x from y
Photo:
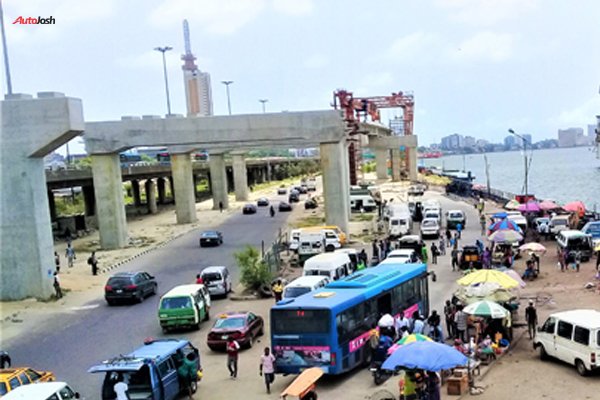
x=121 y=388
x=400 y=322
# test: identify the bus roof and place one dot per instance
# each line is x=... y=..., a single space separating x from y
x=355 y=288
x=183 y=290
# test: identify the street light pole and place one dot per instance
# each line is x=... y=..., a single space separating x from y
x=163 y=50
x=263 y=101
x=5 y=51
x=227 y=83
x=524 y=158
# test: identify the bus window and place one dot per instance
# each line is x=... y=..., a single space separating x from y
x=384 y=304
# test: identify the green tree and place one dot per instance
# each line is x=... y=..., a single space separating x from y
x=255 y=272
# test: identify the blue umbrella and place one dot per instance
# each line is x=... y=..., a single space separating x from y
x=429 y=356
x=504 y=225
x=501 y=214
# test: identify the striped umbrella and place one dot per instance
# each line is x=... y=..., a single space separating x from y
x=505 y=236
x=533 y=247
x=504 y=224
x=512 y=205
x=415 y=337
x=548 y=205
x=486 y=308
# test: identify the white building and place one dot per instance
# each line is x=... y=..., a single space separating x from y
x=570 y=137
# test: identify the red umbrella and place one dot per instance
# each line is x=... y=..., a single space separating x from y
x=575 y=206
x=530 y=206
x=548 y=205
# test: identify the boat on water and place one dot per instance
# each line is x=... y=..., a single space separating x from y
x=430 y=154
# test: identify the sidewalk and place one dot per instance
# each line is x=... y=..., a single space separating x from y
x=80 y=286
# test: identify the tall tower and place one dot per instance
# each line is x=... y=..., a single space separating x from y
x=198 y=92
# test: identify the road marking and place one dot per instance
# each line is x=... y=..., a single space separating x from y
x=89 y=307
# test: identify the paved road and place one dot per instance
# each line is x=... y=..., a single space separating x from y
x=69 y=345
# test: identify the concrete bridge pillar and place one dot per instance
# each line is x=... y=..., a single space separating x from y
x=336 y=190
x=218 y=181
x=135 y=188
x=195 y=179
x=160 y=185
x=89 y=200
x=240 y=177
x=183 y=182
x=52 y=205
x=269 y=171
x=110 y=205
x=381 y=157
x=396 y=165
x=229 y=172
x=30 y=128
x=150 y=188
x=411 y=164
x=172 y=185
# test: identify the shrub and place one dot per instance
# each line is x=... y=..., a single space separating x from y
x=254 y=271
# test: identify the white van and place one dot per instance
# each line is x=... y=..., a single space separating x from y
x=433 y=213
x=573 y=337
x=294 y=239
x=404 y=256
x=362 y=201
x=517 y=218
x=304 y=284
x=333 y=265
x=310 y=244
x=577 y=242
x=42 y=391
x=559 y=223
x=217 y=279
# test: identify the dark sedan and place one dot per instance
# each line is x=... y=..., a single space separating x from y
x=243 y=327
x=283 y=206
x=249 y=209
x=134 y=286
x=262 y=202
x=294 y=196
x=310 y=204
x=211 y=238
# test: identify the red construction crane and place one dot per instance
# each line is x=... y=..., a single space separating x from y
x=357 y=108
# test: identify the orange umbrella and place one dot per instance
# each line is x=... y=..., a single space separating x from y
x=576 y=207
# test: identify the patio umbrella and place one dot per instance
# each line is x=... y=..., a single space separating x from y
x=533 y=247
x=575 y=206
x=515 y=275
x=504 y=224
x=499 y=296
x=488 y=275
x=429 y=356
x=486 y=308
x=415 y=337
x=530 y=206
x=512 y=205
x=505 y=236
x=548 y=205
x=500 y=214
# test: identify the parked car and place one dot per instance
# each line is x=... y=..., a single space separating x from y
x=282 y=190
x=575 y=243
x=405 y=256
x=262 y=202
x=468 y=255
x=301 y=189
x=310 y=204
x=211 y=238
x=411 y=242
x=243 y=327
x=283 y=206
x=151 y=370
x=129 y=286
x=541 y=224
x=294 y=196
x=416 y=190
x=559 y=223
x=249 y=209
x=455 y=217
x=217 y=279
x=12 y=378
x=43 y=391
x=430 y=227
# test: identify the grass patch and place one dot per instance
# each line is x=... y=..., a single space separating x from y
x=308 y=221
x=362 y=217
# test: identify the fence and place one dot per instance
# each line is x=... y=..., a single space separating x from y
x=272 y=255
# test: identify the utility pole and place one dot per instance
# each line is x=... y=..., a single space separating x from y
x=5 y=51
x=524 y=159
x=227 y=83
x=263 y=101
x=163 y=50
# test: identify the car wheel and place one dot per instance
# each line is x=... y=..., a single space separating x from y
x=250 y=342
x=194 y=386
x=197 y=325
x=581 y=369
x=110 y=302
x=154 y=289
x=206 y=314
x=543 y=354
x=139 y=297
x=261 y=331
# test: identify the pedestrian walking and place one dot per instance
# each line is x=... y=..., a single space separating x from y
x=442 y=246
x=531 y=317
x=70 y=255
x=597 y=261
x=418 y=324
x=277 y=290
x=199 y=280
x=424 y=256
x=57 y=260
x=482 y=222
x=188 y=373
x=363 y=257
x=458 y=230
x=220 y=206
x=57 y=287
x=93 y=262
x=448 y=236
x=460 y=319
x=272 y=211
x=266 y=368
x=434 y=253
x=449 y=311
x=400 y=322
x=375 y=250
x=487 y=258
x=454 y=257
x=232 y=348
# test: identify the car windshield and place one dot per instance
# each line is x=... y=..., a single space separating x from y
x=429 y=223
x=557 y=222
x=291 y=292
x=209 y=234
x=455 y=215
x=171 y=303
x=230 y=323
x=211 y=277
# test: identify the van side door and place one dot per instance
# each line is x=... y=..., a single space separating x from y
x=167 y=373
x=563 y=342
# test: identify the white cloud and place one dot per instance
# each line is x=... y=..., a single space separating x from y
x=406 y=47
x=293 y=7
x=483 y=46
x=487 y=12
x=580 y=116
x=316 y=61
x=215 y=16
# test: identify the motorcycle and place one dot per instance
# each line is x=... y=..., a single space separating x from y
x=380 y=375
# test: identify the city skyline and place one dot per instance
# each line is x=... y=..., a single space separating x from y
x=473 y=66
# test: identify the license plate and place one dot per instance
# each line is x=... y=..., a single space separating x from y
x=119 y=291
x=224 y=337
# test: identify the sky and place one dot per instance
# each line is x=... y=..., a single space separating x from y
x=475 y=67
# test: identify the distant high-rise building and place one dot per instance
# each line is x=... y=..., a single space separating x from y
x=469 y=141
x=569 y=137
x=452 y=142
x=198 y=92
x=509 y=142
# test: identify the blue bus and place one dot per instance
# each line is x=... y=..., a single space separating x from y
x=329 y=328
